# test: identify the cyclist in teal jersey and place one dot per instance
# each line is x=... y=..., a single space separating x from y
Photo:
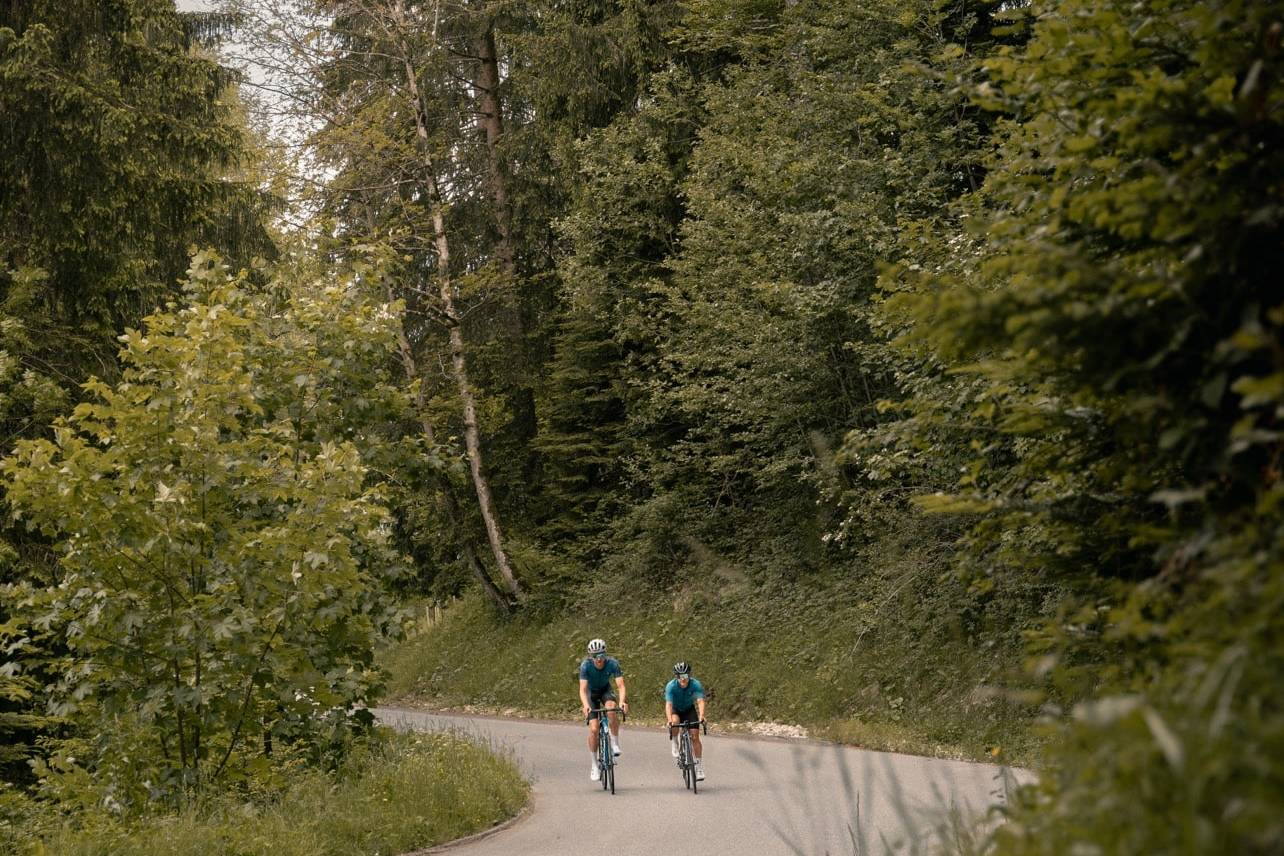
x=684 y=703
x=595 y=692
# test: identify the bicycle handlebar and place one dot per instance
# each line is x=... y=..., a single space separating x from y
x=702 y=724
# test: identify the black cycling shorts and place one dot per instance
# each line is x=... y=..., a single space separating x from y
x=597 y=700
x=691 y=715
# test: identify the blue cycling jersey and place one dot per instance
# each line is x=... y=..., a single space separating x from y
x=599 y=680
x=683 y=699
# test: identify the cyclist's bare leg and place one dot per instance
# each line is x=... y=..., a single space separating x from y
x=695 y=743
x=594 y=725
x=613 y=718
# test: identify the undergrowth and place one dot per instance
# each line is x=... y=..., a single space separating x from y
x=878 y=655
x=407 y=792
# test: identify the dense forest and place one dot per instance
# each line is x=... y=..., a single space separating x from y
x=964 y=302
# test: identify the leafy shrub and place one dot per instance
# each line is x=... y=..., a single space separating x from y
x=221 y=554
x=1112 y=296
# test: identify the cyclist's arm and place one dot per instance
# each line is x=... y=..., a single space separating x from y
x=619 y=682
x=584 y=697
x=700 y=706
x=669 y=715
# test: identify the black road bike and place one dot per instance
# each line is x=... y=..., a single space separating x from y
x=686 y=752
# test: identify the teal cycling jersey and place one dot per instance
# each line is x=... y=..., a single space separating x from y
x=599 y=680
x=683 y=699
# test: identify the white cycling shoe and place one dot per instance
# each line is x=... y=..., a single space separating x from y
x=615 y=747
x=673 y=748
x=595 y=774
x=699 y=771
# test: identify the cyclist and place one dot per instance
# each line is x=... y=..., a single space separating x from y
x=595 y=691
x=684 y=703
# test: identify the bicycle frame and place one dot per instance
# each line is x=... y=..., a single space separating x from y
x=686 y=752
x=605 y=758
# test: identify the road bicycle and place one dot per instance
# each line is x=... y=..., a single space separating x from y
x=605 y=757
x=686 y=752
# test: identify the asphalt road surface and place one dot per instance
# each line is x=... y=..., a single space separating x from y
x=761 y=796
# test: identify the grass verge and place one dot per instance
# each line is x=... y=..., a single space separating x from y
x=887 y=684
x=408 y=792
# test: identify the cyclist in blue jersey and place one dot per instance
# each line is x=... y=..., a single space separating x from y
x=595 y=691
x=684 y=703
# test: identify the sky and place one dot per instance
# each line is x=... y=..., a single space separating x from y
x=281 y=128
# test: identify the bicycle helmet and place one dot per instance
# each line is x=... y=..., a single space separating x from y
x=682 y=667
x=597 y=646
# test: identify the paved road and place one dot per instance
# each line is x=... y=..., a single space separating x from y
x=761 y=797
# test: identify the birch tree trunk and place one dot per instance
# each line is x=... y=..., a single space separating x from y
x=454 y=514
x=472 y=437
x=458 y=361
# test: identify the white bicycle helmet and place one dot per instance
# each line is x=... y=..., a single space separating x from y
x=595 y=647
x=682 y=667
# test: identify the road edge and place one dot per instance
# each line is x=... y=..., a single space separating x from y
x=731 y=735
x=446 y=846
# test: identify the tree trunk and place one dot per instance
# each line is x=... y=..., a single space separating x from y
x=491 y=118
x=454 y=514
x=490 y=111
x=459 y=365
x=472 y=436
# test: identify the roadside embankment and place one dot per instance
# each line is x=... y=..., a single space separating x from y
x=405 y=793
x=813 y=662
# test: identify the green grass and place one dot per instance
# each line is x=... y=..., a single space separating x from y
x=412 y=791
x=818 y=655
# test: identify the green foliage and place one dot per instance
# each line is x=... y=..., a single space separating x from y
x=827 y=133
x=906 y=660
x=121 y=149
x=221 y=557
x=1107 y=313
x=717 y=339
x=621 y=227
x=397 y=794
x=122 y=145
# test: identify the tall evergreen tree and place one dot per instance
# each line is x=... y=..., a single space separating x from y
x=621 y=227
x=122 y=147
